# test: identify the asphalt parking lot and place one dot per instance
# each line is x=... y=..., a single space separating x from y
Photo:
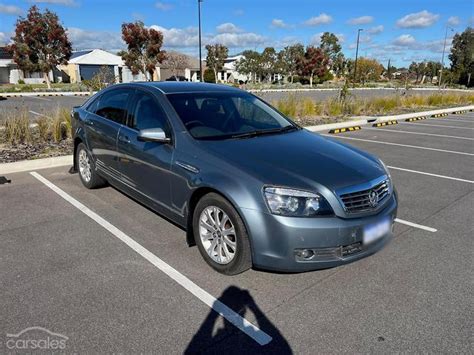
x=110 y=275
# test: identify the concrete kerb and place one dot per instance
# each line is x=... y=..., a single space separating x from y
x=35 y=164
x=357 y=121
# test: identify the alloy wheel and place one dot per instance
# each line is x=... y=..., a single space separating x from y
x=218 y=235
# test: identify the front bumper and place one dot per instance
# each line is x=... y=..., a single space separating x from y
x=337 y=241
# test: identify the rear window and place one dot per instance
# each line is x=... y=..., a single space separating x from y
x=112 y=105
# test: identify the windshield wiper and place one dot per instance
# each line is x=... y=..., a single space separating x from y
x=264 y=132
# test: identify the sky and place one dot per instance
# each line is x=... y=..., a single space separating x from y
x=402 y=31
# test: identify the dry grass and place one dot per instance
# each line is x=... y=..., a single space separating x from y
x=17 y=129
x=301 y=108
x=55 y=128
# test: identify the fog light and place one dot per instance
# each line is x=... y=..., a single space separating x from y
x=305 y=253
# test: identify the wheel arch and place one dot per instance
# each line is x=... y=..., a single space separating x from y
x=193 y=201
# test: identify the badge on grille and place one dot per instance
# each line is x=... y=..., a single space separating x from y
x=373 y=198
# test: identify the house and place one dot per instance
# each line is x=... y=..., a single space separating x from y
x=190 y=72
x=229 y=74
x=84 y=65
x=10 y=74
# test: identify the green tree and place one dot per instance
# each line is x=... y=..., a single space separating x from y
x=143 y=48
x=418 y=70
x=314 y=63
x=40 y=43
x=249 y=65
x=432 y=70
x=216 y=56
x=268 y=63
x=288 y=59
x=209 y=76
x=462 y=56
x=330 y=45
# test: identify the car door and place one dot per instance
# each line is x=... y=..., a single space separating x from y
x=105 y=117
x=145 y=166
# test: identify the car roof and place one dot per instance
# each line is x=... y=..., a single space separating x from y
x=173 y=87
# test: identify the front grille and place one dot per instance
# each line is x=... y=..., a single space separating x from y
x=359 y=201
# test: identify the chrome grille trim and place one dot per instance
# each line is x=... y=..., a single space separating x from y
x=358 y=201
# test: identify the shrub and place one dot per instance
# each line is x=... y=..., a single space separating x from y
x=209 y=76
x=43 y=128
x=21 y=82
x=17 y=129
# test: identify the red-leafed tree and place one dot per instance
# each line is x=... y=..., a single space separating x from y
x=40 y=43
x=143 y=48
x=314 y=63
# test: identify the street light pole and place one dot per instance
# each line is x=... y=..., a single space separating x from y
x=442 y=57
x=200 y=54
x=357 y=53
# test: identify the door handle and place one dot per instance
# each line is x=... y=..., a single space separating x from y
x=124 y=139
x=89 y=122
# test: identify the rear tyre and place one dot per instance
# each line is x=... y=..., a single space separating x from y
x=221 y=236
x=86 y=168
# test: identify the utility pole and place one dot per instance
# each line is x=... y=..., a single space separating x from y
x=388 y=70
x=200 y=49
x=357 y=53
x=442 y=57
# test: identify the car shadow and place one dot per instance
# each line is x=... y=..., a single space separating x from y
x=230 y=340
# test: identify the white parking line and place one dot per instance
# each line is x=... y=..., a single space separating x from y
x=415 y=225
x=243 y=324
x=435 y=125
x=430 y=174
x=419 y=133
x=401 y=145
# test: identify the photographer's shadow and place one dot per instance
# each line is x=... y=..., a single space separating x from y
x=230 y=339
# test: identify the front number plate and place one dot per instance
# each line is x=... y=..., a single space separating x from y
x=375 y=231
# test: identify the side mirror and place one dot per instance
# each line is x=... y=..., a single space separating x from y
x=153 y=135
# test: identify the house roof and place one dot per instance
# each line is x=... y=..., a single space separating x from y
x=79 y=54
x=95 y=57
x=4 y=54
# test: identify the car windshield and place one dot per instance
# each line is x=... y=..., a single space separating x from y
x=227 y=115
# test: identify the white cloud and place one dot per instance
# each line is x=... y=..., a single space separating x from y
x=228 y=28
x=179 y=37
x=454 y=21
x=363 y=20
x=239 y=12
x=10 y=10
x=278 y=23
x=322 y=19
x=84 y=39
x=375 y=30
x=404 y=41
x=239 y=39
x=56 y=2
x=418 y=20
x=188 y=37
x=3 y=38
x=163 y=6
x=470 y=21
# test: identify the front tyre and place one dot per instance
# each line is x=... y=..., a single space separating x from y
x=85 y=165
x=221 y=236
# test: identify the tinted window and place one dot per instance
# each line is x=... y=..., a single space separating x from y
x=208 y=115
x=113 y=105
x=147 y=113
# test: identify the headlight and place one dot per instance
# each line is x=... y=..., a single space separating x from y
x=386 y=169
x=296 y=203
